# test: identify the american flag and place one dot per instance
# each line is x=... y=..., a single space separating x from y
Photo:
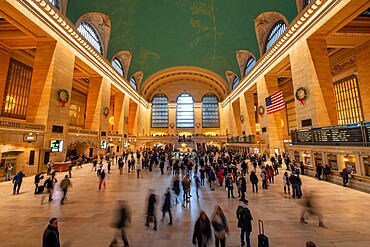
x=275 y=102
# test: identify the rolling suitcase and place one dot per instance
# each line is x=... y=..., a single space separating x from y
x=263 y=241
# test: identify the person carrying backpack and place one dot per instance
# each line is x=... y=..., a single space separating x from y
x=245 y=218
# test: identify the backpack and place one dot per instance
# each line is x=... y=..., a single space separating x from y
x=102 y=174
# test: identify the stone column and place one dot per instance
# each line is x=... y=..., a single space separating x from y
x=98 y=98
x=272 y=122
x=171 y=118
x=236 y=128
x=363 y=66
x=4 y=61
x=247 y=110
x=311 y=69
x=118 y=112
x=198 y=118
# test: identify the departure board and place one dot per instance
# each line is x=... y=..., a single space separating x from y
x=303 y=136
x=367 y=131
x=345 y=133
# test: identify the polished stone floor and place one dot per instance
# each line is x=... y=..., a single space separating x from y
x=86 y=219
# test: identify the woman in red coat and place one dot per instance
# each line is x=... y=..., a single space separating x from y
x=220 y=176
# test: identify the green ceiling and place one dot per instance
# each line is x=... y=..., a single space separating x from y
x=162 y=34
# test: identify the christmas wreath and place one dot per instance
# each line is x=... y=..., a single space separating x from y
x=301 y=95
x=65 y=98
x=261 y=110
x=106 y=111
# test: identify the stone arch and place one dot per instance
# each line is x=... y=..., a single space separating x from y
x=230 y=75
x=301 y=5
x=125 y=58
x=102 y=24
x=138 y=76
x=242 y=56
x=263 y=25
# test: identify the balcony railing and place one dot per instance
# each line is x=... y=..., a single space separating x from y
x=17 y=125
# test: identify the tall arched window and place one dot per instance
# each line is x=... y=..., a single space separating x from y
x=56 y=3
x=160 y=111
x=89 y=32
x=235 y=82
x=118 y=66
x=133 y=83
x=185 y=111
x=210 y=117
x=275 y=33
x=249 y=65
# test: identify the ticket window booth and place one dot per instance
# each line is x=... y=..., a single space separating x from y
x=318 y=158
x=297 y=156
x=332 y=162
x=349 y=162
x=6 y=159
x=307 y=158
x=367 y=165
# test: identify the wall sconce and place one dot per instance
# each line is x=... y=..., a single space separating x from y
x=345 y=159
x=111 y=120
x=241 y=118
x=258 y=127
x=198 y=125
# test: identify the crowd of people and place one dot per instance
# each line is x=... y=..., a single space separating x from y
x=230 y=170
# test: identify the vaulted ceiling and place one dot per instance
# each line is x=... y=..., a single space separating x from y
x=200 y=33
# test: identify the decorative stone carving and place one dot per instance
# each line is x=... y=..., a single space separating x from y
x=138 y=76
x=125 y=59
x=340 y=67
x=230 y=75
x=102 y=24
x=263 y=25
x=242 y=57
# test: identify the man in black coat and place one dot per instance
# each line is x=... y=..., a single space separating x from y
x=123 y=216
x=51 y=234
x=150 y=212
x=244 y=222
x=167 y=205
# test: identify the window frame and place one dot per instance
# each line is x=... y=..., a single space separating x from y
x=275 y=32
x=235 y=82
x=163 y=116
x=117 y=65
x=186 y=122
x=249 y=65
x=86 y=28
x=133 y=83
x=210 y=114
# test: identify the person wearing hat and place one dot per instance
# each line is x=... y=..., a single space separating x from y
x=51 y=234
x=245 y=218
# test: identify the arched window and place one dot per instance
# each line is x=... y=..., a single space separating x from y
x=185 y=111
x=56 y=3
x=275 y=33
x=133 y=83
x=249 y=65
x=210 y=117
x=235 y=82
x=118 y=66
x=160 y=111
x=89 y=32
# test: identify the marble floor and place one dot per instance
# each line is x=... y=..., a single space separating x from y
x=87 y=218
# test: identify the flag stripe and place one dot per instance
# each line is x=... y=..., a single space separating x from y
x=275 y=102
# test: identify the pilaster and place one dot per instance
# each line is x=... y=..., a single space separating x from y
x=311 y=69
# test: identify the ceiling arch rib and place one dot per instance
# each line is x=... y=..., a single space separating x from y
x=190 y=74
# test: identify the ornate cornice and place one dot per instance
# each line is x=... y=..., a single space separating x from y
x=339 y=67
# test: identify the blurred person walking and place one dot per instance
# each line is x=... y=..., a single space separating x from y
x=167 y=205
x=49 y=185
x=150 y=215
x=220 y=227
x=124 y=215
x=64 y=184
x=202 y=231
x=310 y=207
x=17 y=181
x=245 y=218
